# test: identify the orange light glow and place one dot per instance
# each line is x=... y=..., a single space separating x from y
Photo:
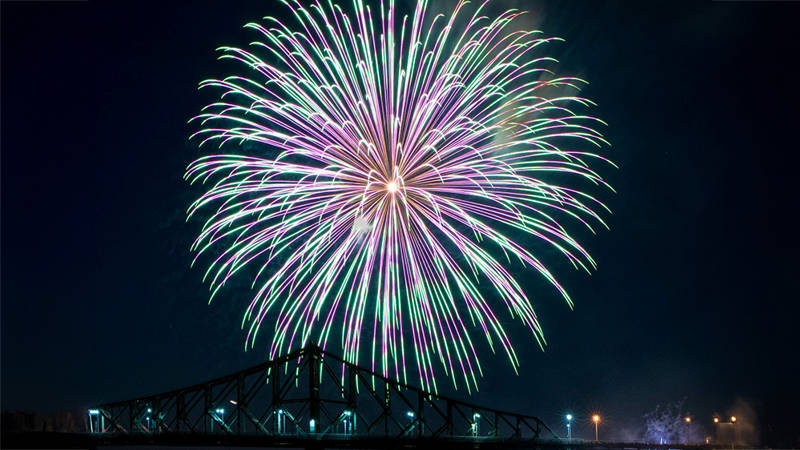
x=716 y=419
x=595 y=418
x=733 y=419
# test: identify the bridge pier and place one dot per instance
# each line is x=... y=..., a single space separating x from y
x=314 y=359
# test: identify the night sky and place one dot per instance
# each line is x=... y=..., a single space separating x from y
x=695 y=295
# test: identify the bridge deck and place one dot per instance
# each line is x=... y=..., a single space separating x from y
x=92 y=441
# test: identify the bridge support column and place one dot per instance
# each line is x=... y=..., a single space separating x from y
x=387 y=407
x=277 y=400
x=131 y=415
x=315 y=357
x=352 y=395
x=420 y=413
x=180 y=411
x=207 y=418
x=240 y=426
x=450 y=418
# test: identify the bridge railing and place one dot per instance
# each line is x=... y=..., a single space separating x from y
x=312 y=393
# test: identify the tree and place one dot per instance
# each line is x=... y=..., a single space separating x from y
x=668 y=424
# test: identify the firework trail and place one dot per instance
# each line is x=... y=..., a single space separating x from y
x=396 y=177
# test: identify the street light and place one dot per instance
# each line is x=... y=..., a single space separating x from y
x=569 y=425
x=596 y=420
x=281 y=422
x=475 y=418
x=733 y=419
x=96 y=418
x=220 y=413
x=411 y=425
x=688 y=419
x=716 y=419
x=348 y=428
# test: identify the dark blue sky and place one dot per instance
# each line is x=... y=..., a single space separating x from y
x=694 y=297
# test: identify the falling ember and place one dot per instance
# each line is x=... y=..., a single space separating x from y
x=397 y=168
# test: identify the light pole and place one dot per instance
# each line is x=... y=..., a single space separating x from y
x=348 y=427
x=94 y=416
x=596 y=420
x=569 y=425
x=733 y=437
x=688 y=429
x=281 y=425
x=220 y=412
x=412 y=425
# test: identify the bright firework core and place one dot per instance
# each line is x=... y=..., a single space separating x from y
x=391 y=187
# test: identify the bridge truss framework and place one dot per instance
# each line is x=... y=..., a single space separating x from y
x=313 y=399
x=310 y=394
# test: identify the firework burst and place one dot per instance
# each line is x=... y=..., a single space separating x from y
x=401 y=164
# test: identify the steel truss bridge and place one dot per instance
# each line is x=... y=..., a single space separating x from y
x=308 y=395
x=313 y=399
